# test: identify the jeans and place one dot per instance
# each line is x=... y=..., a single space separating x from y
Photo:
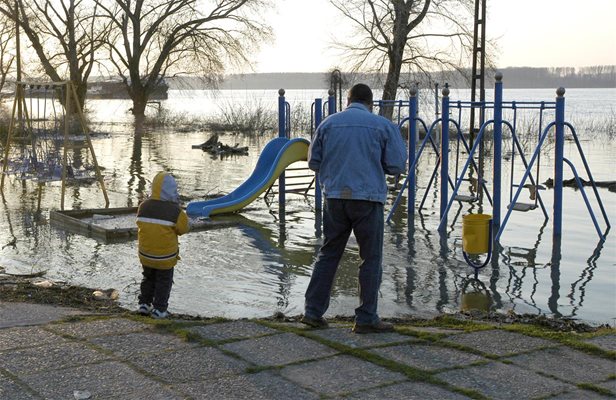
x=156 y=287
x=340 y=218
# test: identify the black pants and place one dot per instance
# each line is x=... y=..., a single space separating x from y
x=156 y=287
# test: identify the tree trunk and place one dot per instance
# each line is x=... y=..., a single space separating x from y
x=140 y=100
x=391 y=82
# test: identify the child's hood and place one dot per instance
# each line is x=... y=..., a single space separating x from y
x=165 y=188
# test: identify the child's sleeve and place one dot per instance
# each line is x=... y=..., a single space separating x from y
x=182 y=226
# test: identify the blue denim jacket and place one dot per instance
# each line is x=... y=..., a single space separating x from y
x=353 y=150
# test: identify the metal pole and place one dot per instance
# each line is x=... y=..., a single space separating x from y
x=331 y=102
x=498 y=152
x=281 y=133
x=444 y=152
x=318 y=117
x=559 y=149
x=412 y=146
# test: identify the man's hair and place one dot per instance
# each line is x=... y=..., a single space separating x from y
x=360 y=93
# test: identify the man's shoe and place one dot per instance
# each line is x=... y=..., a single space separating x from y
x=379 y=327
x=314 y=322
x=145 y=309
x=157 y=314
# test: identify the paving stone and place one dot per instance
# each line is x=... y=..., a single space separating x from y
x=407 y=391
x=11 y=390
x=232 y=330
x=108 y=380
x=13 y=338
x=340 y=374
x=191 y=364
x=279 y=349
x=434 y=329
x=499 y=342
x=136 y=343
x=609 y=385
x=346 y=337
x=567 y=364
x=24 y=314
x=427 y=357
x=101 y=327
x=260 y=386
x=501 y=381
x=55 y=356
x=606 y=342
x=579 y=394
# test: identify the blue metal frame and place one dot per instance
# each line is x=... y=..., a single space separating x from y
x=282 y=132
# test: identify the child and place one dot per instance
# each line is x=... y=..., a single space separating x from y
x=160 y=221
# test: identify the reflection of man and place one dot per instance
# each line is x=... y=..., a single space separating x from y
x=351 y=152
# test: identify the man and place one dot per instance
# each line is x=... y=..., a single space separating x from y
x=351 y=153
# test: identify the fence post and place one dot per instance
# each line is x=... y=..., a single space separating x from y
x=412 y=146
x=498 y=153
x=559 y=149
x=331 y=102
x=281 y=133
x=444 y=154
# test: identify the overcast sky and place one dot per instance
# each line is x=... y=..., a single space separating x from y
x=536 y=33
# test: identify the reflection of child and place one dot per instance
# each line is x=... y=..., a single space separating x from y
x=160 y=221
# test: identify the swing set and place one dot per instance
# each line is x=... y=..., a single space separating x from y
x=40 y=144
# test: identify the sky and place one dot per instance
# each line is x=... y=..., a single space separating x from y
x=533 y=33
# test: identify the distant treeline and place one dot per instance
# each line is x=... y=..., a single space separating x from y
x=599 y=76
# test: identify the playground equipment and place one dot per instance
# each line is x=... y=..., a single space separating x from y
x=42 y=144
x=276 y=156
x=477 y=238
x=497 y=123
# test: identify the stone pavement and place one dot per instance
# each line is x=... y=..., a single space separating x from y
x=48 y=352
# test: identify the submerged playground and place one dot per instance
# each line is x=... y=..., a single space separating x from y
x=508 y=217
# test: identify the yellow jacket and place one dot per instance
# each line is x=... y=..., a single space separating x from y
x=160 y=221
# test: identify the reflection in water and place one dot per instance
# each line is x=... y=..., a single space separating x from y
x=475 y=296
x=137 y=181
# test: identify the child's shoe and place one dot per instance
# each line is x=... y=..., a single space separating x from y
x=145 y=309
x=157 y=314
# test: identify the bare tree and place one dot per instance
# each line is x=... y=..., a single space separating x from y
x=424 y=36
x=154 y=39
x=64 y=34
x=7 y=35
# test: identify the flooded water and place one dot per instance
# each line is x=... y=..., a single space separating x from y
x=262 y=264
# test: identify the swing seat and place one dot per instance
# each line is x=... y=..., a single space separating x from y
x=522 y=207
x=465 y=198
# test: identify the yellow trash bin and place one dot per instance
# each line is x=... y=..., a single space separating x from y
x=476 y=233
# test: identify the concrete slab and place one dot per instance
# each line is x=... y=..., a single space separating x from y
x=12 y=390
x=407 y=391
x=340 y=375
x=609 y=385
x=499 y=342
x=101 y=327
x=193 y=364
x=606 y=342
x=435 y=330
x=133 y=344
x=567 y=364
x=31 y=336
x=496 y=380
x=24 y=314
x=107 y=380
x=346 y=337
x=264 y=385
x=279 y=349
x=427 y=357
x=579 y=394
x=50 y=357
x=232 y=330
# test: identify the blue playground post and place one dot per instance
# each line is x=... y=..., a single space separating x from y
x=498 y=152
x=559 y=149
x=444 y=155
x=318 y=117
x=281 y=133
x=331 y=102
x=412 y=145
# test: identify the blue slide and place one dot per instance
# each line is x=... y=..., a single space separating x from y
x=276 y=156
